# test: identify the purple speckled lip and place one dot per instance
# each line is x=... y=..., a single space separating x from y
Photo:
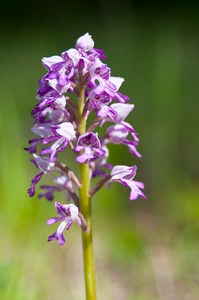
x=90 y=146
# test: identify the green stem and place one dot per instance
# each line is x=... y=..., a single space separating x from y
x=86 y=210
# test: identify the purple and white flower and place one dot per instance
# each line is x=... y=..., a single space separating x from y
x=116 y=112
x=125 y=175
x=62 y=134
x=117 y=134
x=68 y=214
x=76 y=84
x=61 y=70
x=90 y=146
x=85 y=42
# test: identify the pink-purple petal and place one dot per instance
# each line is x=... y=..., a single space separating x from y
x=52 y=221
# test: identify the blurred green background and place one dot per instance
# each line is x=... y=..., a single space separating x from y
x=144 y=250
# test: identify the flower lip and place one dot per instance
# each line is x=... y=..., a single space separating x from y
x=89 y=139
x=91 y=148
x=125 y=175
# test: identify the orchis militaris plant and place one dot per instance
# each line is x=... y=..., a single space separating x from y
x=78 y=84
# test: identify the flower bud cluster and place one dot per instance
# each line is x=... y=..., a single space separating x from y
x=57 y=121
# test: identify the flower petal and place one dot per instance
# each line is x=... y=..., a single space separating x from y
x=66 y=129
x=85 y=42
x=52 y=221
x=48 y=62
x=44 y=164
x=121 y=171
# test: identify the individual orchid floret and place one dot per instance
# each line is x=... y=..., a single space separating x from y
x=125 y=175
x=68 y=213
x=116 y=112
x=98 y=102
x=99 y=70
x=85 y=42
x=62 y=134
x=60 y=72
x=117 y=134
x=54 y=62
x=48 y=103
x=44 y=129
x=51 y=63
x=105 y=88
x=90 y=146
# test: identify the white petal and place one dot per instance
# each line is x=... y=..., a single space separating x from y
x=49 y=61
x=44 y=164
x=62 y=226
x=122 y=110
x=117 y=81
x=85 y=42
x=73 y=210
x=66 y=130
x=60 y=102
x=74 y=55
x=119 y=172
